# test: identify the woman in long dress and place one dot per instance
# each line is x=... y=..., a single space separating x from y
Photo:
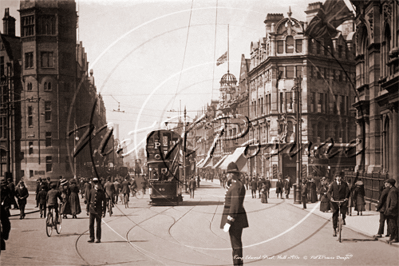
x=264 y=194
x=324 y=200
x=313 y=192
x=66 y=207
x=74 y=199
x=358 y=195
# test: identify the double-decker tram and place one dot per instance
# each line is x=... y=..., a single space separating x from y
x=164 y=156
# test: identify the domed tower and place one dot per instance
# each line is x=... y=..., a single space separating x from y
x=228 y=85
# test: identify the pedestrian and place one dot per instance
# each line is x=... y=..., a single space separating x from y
x=38 y=188
x=82 y=187
x=391 y=211
x=268 y=186
x=358 y=196
x=42 y=197
x=87 y=188
x=117 y=187
x=381 y=207
x=259 y=186
x=198 y=181
x=234 y=218
x=53 y=195
x=5 y=214
x=339 y=191
x=65 y=192
x=304 y=193
x=324 y=199
x=11 y=190
x=313 y=192
x=125 y=190
x=279 y=188
x=191 y=186
x=254 y=187
x=22 y=194
x=264 y=193
x=109 y=194
x=74 y=199
x=351 y=187
x=95 y=207
x=287 y=186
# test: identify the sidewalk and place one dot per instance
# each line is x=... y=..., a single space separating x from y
x=366 y=224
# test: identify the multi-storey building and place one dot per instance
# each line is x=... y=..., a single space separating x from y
x=283 y=61
x=47 y=95
x=377 y=76
x=10 y=99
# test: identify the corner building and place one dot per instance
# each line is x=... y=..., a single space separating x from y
x=322 y=69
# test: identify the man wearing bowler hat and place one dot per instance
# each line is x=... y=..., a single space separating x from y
x=96 y=207
x=234 y=218
x=391 y=211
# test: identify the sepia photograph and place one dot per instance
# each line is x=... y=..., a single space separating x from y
x=199 y=132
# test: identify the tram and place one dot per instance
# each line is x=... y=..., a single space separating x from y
x=164 y=149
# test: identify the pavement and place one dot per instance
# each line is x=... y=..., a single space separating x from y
x=365 y=224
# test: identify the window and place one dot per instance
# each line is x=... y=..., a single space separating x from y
x=281 y=72
x=30 y=147
x=290 y=72
x=48 y=139
x=261 y=106
x=2 y=69
x=47 y=59
x=280 y=47
x=29 y=86
x=289 y=42
x=28 y=26
x=289 y=101
x=49 y=163
x=326 y=73
x=281 y=101
x=318 y=72
x=47 y=111
x=47 y=86
x=46 y=25
x=312 y=100
x=298 y=44
x=340 y=55
x=318 y=47
x=320 y=128
x=342 y=104
x=28 y=60
x=2 y=127
x=30 y=116
x=30 y=173
x=298 y=71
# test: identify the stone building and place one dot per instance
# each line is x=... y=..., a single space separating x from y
x=283 y=61
x=377 y=76
x=52 y=94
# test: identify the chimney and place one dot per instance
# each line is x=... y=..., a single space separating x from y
x=8 y=23
x=312 y=10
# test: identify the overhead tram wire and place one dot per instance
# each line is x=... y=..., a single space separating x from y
x=214 y=48
x=185 y=50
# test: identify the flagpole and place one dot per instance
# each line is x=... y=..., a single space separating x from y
x=228 y=54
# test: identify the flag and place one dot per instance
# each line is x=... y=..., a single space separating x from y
x=333 y=14
x=222 y=59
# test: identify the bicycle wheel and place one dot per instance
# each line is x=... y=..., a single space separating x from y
x=139 y=194
x=58 y=226
x=49 y=224
x=339 y=230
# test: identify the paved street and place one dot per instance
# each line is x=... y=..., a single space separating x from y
x=279 y=233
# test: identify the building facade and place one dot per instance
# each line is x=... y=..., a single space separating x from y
x=377 y=76
x=283 y=63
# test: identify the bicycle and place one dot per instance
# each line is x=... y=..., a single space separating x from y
x=51 y=223
x=109 y=206
x=340 y=219
x=139 y=194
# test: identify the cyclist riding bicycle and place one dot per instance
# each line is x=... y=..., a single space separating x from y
x=51 y=199
x=339 y=191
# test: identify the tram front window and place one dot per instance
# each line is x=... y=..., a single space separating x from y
x=154 y=174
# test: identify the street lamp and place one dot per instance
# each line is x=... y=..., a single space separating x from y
x=297 y=89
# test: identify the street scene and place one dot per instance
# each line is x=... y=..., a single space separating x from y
x=202 y=132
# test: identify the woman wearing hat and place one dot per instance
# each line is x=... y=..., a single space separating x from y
x=234 y=218
x=65 y=193
x=358 y=196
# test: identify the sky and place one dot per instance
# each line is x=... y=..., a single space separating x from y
x=156 y=57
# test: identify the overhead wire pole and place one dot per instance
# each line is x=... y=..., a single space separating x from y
x=119 y=105
x=214 y=49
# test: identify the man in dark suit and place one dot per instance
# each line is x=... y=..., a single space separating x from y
x=125 y=189
x=254 y=187
x=287 y=186
x=268 y=186
x=391 y=211
x=381 y=209
x=304 y=193
x=192 y=186
x=109 y=193
x=279 y=188
x=339 y=191
x=234 y=218
x=96 y=207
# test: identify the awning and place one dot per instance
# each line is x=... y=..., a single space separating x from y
x=237 y=157
x=220 y=161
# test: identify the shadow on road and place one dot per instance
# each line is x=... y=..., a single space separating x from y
x=201 y=203
x=359 y=240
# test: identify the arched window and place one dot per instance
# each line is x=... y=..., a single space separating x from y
x=49 y=86
x=320 y=128
x=45 y=86
x=289 y=45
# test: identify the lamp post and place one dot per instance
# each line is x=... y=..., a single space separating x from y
x=297 y=89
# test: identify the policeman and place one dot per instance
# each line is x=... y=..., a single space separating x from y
x=96 y=205
x=234 y=218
